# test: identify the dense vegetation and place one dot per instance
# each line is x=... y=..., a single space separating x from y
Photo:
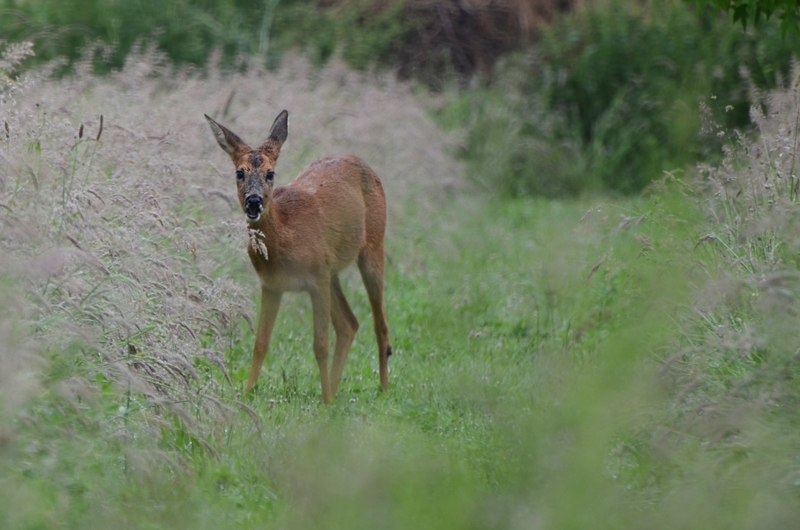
x=750 y=12
x=606 y=360
x=604 y=97
x=421 y=38
x=609 y=99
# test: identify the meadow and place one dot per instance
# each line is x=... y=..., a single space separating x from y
x=596 y=362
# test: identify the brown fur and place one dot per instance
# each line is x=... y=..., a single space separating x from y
x=332 y=214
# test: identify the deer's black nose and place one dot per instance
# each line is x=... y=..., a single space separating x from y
x=253 y=206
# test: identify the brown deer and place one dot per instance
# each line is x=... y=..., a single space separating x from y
x=303 y=234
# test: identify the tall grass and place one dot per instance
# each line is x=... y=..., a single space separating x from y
x=106 y=198
x=557 y=364
x=746 y=331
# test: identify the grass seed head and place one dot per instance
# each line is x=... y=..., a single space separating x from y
x=142 y=245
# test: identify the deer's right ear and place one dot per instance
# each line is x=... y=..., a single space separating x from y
x=229 y=142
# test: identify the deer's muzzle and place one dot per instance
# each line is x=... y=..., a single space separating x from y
x=253 y=206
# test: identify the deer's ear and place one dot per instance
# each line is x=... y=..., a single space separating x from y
x=229 y=142
x=277 y=135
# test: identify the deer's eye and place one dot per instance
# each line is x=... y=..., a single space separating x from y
x=270 y=175
x=240 y=174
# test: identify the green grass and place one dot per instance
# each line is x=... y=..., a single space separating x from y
x=522 y=385
x=613 y=363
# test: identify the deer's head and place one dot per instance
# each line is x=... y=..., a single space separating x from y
x=255 y=168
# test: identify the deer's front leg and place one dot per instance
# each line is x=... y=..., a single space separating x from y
x=321 y=304
x=270 y=302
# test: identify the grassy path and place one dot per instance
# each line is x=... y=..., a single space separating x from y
x=524 y=345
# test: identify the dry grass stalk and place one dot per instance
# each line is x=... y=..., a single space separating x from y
x=738 y=353
x=117 y=243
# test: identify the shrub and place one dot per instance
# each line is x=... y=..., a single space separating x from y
x=187 y=31
x=425 y=40
x=609 y=97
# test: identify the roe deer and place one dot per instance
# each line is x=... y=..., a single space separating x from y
x=303 y=234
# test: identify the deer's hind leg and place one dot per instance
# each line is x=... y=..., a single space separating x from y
x=370 y=263
x=345 y=324
x=321 y=305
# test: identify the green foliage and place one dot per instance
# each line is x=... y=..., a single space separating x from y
x=751 y=11
x=189 y=30
x=522 y=385
x=609 y=98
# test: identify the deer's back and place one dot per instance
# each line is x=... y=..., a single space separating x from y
x=336 y=205
x=329 y=174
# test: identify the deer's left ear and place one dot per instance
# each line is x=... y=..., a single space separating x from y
x=277 y=135
x=229 y=142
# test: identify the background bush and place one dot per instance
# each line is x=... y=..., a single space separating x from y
x=609 y=98
x=189 y=30
x=423 y=39
x=603 y=97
